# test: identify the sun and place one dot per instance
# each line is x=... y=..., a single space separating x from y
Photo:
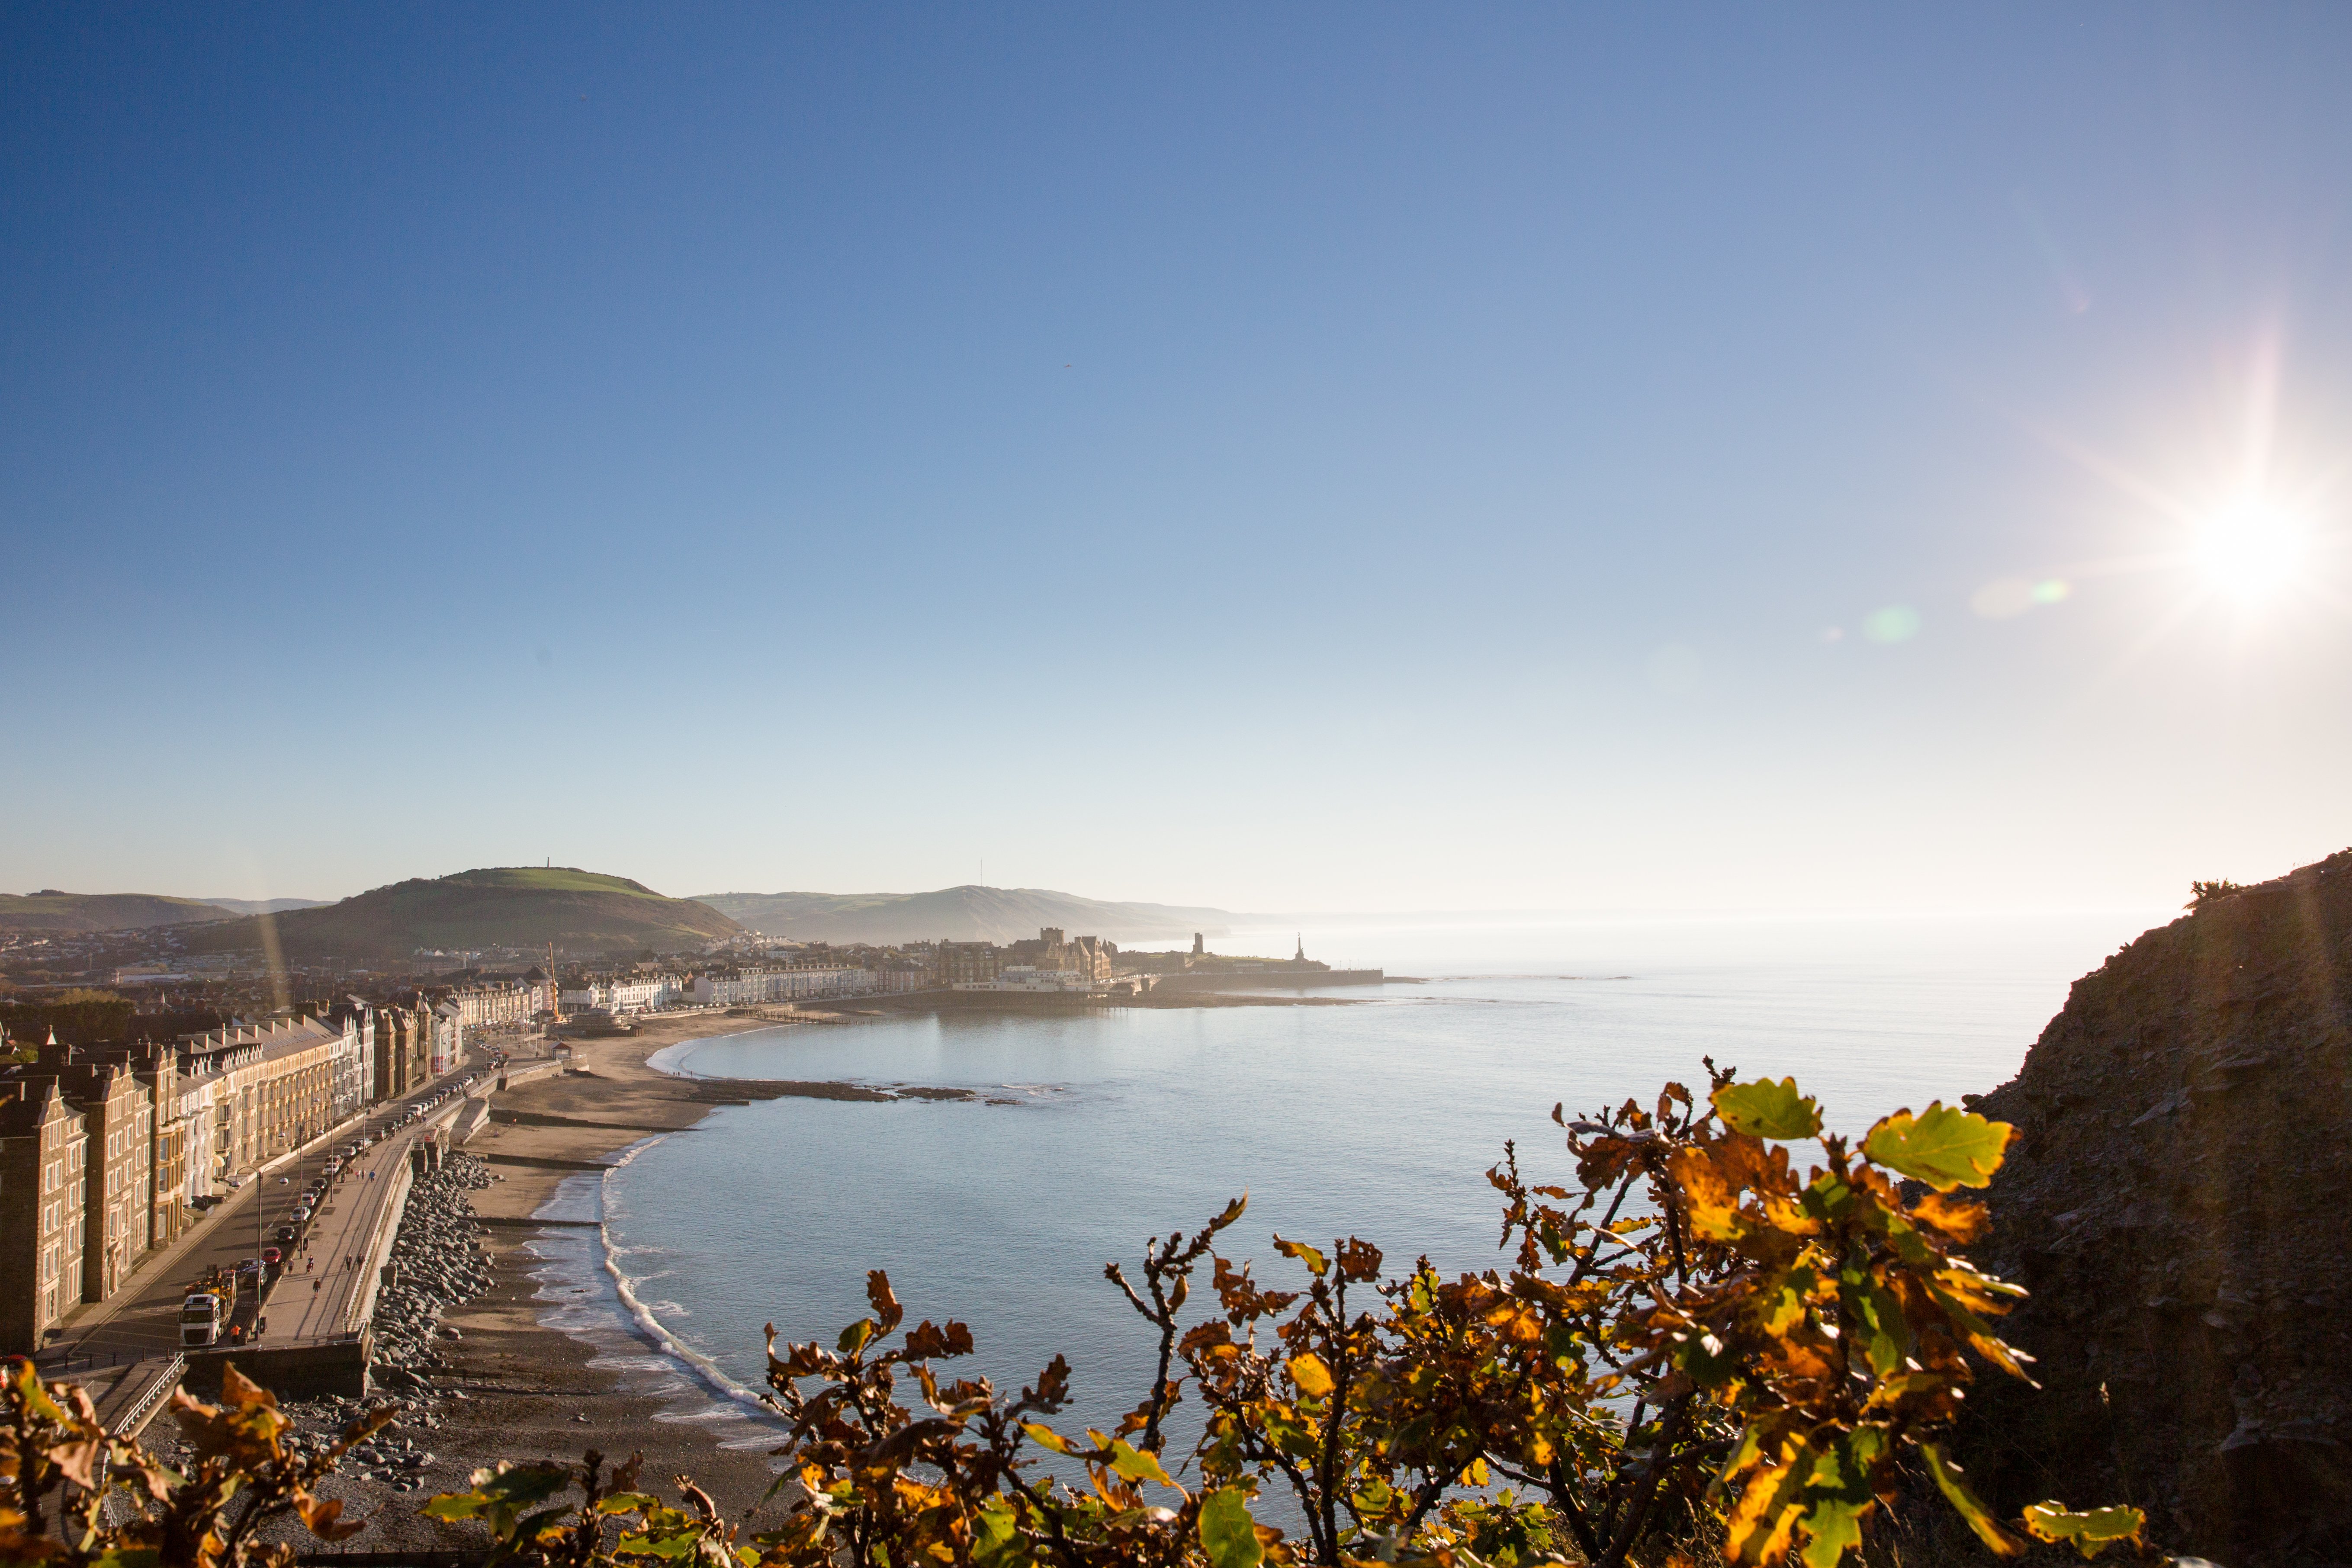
x=2250 y=549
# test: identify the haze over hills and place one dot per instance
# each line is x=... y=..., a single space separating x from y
x=268 y=905
x=514 y=906
x=52 y=910
x=966 y=913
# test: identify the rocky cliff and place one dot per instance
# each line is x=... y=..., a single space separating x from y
x=2180 y=1203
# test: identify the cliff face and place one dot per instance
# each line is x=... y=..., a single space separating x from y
x=2180 y=1203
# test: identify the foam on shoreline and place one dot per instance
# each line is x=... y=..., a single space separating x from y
x=590 y=1297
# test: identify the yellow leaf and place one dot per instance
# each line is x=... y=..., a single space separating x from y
x=1313 y=1378
x=2091 y=1532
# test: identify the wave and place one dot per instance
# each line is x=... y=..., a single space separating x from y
x=577 y=1307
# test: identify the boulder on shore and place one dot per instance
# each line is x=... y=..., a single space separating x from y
x=2179 y=1201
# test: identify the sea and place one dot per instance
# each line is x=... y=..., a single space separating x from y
x=1094 y=1133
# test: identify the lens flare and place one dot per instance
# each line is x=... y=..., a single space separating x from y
x=2250 y=549
x=1895 y=623
x=2001 y=598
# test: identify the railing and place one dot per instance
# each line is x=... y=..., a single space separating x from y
x=143 y=1403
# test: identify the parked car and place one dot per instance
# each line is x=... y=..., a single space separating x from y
x=272 y=1257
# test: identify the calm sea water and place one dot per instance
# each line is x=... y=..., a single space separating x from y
x=1377 y=1120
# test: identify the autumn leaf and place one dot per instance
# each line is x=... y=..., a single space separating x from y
x=1046 y=1436
x=1940 y=1146
x=1963 y=1221
x=1308 y=1255
x=1767 y=1110
x=242 y=1392
x=1313 y=1378
x=321 y=1514
x=885 y=1304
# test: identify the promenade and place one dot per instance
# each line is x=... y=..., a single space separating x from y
x=319 y=1295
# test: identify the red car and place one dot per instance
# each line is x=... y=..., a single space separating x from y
x=271 y=1256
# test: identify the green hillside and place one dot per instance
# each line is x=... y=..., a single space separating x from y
x=52 y=910
x=512 y=906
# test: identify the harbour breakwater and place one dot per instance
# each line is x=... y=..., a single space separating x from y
x=1267 y=979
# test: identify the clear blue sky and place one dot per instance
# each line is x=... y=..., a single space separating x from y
x=1309 y=457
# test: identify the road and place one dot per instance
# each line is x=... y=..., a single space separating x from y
x=144 y=1319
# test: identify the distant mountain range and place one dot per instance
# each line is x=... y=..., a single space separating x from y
x=588 y=913
x=969 y=913
x=52 y=910
x=513 y=906
x=268 y=905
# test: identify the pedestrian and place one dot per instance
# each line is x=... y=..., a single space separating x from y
x=315 y=1286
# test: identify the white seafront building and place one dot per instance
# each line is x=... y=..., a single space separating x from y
x=799 y=983
x=1029 y=977
x=633 y=993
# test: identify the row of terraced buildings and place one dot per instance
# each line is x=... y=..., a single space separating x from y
x=108 y=1154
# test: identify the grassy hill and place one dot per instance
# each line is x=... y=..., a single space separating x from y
x=50 y=911
x=969 y=913
x=517 y=906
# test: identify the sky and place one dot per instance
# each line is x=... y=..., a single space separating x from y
x=1319 y=457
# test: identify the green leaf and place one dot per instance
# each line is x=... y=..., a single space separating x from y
x=1967 y=1504
x=1137 y=1464
x=1227 y=1532
x=1838 y=1495
x=2091 y=1532
x=519 y=1486
x=1832 y=1529
x=992 y=1529
x=628 y=1502
x=119 y=1556
x=681 y=1544
x=1767 y=1110
x=853 y=1338
x=1940 y=1146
